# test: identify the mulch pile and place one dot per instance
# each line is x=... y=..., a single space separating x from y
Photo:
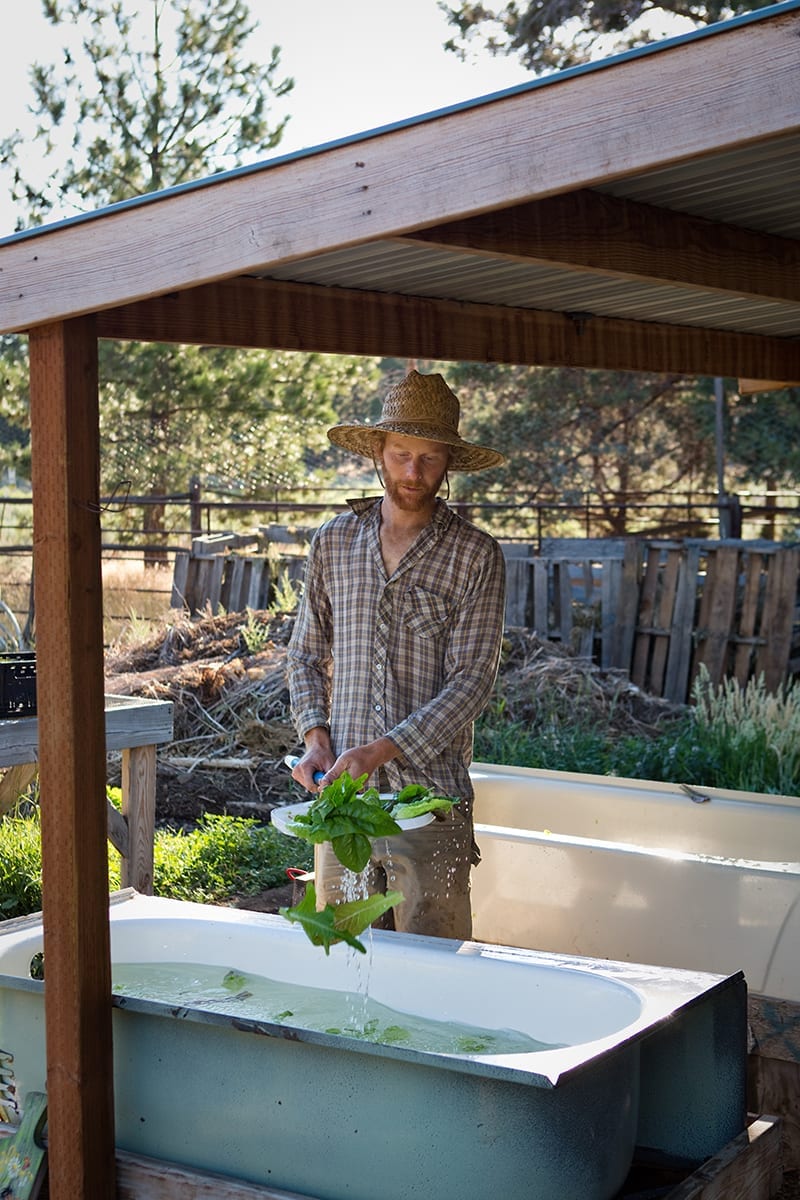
x=225 y=677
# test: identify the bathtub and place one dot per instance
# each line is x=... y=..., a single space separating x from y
x=646 y=1057
x=631 y=870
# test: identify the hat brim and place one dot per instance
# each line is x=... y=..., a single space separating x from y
x=464 y=456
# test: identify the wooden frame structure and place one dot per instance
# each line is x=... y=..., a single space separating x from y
x=639 y=214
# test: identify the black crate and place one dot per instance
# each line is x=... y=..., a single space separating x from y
x=18 y=684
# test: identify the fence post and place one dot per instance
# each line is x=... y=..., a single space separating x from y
x=195 y=518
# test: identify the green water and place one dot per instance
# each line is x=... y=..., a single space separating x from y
x=258 y=998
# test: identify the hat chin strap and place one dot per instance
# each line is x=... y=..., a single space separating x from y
x=377 y=469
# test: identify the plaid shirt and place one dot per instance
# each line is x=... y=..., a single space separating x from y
x=412 y=657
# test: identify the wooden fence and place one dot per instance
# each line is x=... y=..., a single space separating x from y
x=660 y=609
x=657 y=609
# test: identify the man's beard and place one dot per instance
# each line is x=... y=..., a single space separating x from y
x=414 y=501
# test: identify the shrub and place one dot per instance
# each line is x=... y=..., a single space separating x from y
x=224 y=856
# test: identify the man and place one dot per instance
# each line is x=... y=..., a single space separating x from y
x=395 y=651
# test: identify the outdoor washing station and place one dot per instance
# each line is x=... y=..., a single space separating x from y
x=636 y=1056
x=583 y=880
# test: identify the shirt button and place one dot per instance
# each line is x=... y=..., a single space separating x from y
x=377 y=708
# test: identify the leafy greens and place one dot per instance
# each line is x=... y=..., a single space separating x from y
x=349 y=816
x=341 y=922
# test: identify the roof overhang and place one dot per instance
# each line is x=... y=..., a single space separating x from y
x=642 y=213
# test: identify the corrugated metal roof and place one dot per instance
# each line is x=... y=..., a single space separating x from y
x=413 y=270
x=755 y=187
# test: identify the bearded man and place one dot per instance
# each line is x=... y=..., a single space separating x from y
x=395 y=652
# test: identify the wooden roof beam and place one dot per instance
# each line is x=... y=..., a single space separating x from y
x=306 y=317
x=607 y=235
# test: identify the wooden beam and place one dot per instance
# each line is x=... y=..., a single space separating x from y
x=307 y=317
x=72 y=763
x=686 y=100
x=609 y=236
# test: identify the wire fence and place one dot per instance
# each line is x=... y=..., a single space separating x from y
x=141 y=534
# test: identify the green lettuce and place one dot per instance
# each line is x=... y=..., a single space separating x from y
x=340 y=922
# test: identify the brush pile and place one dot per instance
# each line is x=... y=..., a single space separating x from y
x=225 y=677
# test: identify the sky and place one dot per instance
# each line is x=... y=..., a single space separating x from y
x=357 y=65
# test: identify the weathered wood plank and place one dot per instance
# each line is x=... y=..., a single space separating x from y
x=748 y=1168
x=778 y=617
x=664 y=614
x=647 y=606
x=180 y=575
x=72 y=758
x=562 y=593
x=676 y=677
x=629 y=602
x=612 y=617
x=518 y=559
x=743 y=655
x=541 y=598
x=138 y=774
x=717 y=608
x=774 y=1066
x=258 y=584
x=143 y=1178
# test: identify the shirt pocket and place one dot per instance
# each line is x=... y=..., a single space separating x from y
x=424 y=613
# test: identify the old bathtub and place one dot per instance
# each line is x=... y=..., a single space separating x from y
x=647 y=1056
x=631 y=870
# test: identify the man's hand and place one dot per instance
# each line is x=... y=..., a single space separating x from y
x=318 y=759
x=361 y=760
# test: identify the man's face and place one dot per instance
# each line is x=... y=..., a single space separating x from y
x=413 y=470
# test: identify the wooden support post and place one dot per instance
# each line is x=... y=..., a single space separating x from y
x=139 y=807
x=72 y=759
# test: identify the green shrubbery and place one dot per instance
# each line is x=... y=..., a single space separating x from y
x=222 y=857
x=746 y=739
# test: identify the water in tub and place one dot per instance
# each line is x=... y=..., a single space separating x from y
x=238 y=993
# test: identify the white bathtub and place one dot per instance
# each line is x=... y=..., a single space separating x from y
x=631 y=870
x=652 y=1058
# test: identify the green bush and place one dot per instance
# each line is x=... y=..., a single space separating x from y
x=745 y=739
x=20 y=865
x=222 y=857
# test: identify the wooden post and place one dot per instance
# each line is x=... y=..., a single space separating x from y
x=139 y=808
x=72 y=761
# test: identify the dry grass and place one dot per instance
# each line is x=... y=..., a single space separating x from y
x=230 y=706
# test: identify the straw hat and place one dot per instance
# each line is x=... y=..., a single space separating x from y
x=421 y=406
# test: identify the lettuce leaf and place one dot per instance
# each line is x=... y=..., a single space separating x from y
x=348 y=818
x=416 y=808
x=341 y=922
